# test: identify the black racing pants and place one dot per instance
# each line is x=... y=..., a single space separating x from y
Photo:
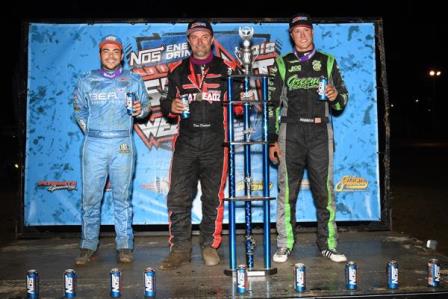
x=198 y=158
x=306 y=146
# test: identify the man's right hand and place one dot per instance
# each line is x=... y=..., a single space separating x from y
x=275 y=152
x=176 y=106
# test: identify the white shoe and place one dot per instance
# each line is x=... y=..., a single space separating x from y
x=334 y=256
x=281 y=255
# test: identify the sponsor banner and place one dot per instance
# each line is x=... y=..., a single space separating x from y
x=58 y=54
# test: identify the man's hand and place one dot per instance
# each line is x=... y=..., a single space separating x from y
x=275 y=153
x=136 y=108
x=331 y=92
x=176 y=106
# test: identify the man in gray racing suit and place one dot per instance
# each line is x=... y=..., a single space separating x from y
x=100 y=108
x=301 y=136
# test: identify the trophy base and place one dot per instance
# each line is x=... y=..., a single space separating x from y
x=253 y=272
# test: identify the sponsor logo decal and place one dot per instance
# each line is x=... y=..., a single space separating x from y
x=351 y=183
x=58 y=185
x=124 y=148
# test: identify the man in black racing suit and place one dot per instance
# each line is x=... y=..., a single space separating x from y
x=301 y=136
x=199 y=153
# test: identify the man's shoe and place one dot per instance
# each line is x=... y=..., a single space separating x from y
x=334 y=256
x=175 y=259
x=210 y=256
x=281 y=255
x=85 y=256
x=125 y=256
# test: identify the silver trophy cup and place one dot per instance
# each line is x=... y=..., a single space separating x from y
x=245 y=54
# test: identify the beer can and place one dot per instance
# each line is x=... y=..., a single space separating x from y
x=299 y=277
x=392 y=274
x=186 y=112
x=321 y=89
x=241 y=277
x=130 y=99
x=32 y=284
x=150 y=282
x=433 y=273
x=115 y=283
x=351 y=276
x=69 y=283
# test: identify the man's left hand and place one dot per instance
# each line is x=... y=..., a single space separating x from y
x=331 y=92
x=137 y=108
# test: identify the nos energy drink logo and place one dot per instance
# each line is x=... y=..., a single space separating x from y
x=153 y=58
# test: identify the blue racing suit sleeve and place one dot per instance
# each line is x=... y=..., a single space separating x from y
x=142 y=95
x=80 y=106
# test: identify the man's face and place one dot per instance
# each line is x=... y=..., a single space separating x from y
x=111 y=56
x=303 y=38
x=201 y=43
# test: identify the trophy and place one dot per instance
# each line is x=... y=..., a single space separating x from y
x=245 y=55
x=246 y=100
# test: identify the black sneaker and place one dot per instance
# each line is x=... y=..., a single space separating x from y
x=334 y=256
x=125 y=256
x=85 y=256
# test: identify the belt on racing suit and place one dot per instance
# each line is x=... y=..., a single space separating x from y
x=109 y=134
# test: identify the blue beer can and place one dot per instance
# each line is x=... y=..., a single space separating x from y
x=150 y=282
x=32 y=284
x=351 y=276
x=130 y=99
x=299 y=277
x=321 y=89
x=115 y=283
x=69 y=283
x=186 y=113
x=241 y=279
x=433 y=273
x=392 y=274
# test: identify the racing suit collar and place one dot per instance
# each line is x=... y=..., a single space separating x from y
x=197 y=61
x=305 y=56
x=111 y=74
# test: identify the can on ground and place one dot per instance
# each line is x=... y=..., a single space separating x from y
x=241 y=277
x=351 y=276
x=299 y=277
x=433 y=273
x=150 y=282
x=69 y=283
x=32 y=284
x=392 y=274
x=115 y=283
